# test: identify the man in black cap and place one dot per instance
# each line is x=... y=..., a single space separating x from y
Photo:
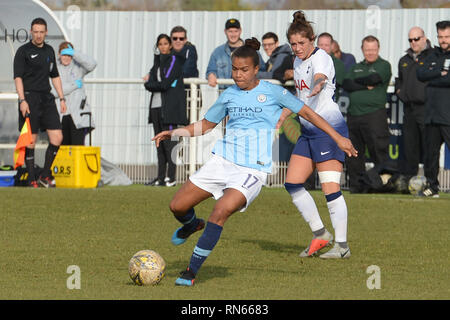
x=219 y=66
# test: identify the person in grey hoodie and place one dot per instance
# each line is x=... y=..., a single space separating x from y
x=275 y=65
x=73 y=66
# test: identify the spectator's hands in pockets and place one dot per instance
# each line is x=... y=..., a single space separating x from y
x=163 y=135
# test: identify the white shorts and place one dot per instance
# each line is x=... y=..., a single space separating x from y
x=218 y=174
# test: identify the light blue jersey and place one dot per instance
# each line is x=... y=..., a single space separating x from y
x=250 y=128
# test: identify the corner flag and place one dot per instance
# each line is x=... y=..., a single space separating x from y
x=24 y=140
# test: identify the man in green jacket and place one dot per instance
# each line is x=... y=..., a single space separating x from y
x=324 y=41
x=367 y=83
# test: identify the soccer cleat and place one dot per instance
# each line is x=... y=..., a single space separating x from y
x=317 y=243
x=170 y=183
x=155 y=183
x=430 y=193
x=187 y=278
x=47 y=182
x=33 y=184
x=337 y=252
x=181 y=234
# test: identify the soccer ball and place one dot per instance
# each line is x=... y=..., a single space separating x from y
x=146 y=267
x=417 y=184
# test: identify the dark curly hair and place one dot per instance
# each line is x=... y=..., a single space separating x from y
x=248 y=50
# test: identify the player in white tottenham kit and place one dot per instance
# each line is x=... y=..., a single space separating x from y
x=314 y=78
x=242 y=159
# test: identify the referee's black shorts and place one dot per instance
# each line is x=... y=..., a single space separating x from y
x=43 y=112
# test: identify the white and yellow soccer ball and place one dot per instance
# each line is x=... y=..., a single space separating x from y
x=146 y=268
x=417 y=184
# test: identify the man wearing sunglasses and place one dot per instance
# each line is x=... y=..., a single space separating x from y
x=435 y=71
x=412 y=92
x=183 y=48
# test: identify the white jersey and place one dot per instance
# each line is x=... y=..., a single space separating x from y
x=322 y=103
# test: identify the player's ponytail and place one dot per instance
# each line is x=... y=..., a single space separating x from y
x=248 y=50
x=300 y=26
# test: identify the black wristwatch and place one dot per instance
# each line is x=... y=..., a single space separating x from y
x=62 y=99
x=21 y=100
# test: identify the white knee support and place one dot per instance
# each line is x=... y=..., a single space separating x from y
x=330 y=176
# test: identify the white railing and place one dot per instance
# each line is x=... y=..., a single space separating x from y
x=142 y=170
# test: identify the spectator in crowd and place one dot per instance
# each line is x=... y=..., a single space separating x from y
x=435 y=70
x=34 y=64
x=412 y=92
x=219 y=66
x=186 y=50
x=347 y=58
x=324 y=41
x=367 y=83
x=73 y=66
x=275 y=66
x=167 y=105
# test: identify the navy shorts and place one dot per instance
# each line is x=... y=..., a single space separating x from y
x=43 y=112
x=319 y=149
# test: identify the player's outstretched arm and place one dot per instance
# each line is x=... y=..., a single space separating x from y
x=319 y=82
x=198 y=128
x=343 y=143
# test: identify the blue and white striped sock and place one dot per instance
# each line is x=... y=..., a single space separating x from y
x=205 y=244
x=188 y=219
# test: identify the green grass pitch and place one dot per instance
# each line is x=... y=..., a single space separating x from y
x=44 y=231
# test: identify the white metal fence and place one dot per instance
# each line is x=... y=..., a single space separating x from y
x=125 y=135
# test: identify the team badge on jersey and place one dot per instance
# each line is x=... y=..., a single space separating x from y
x=262 y=98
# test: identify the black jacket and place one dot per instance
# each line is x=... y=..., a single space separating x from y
x=171 y=87
x=437 y=94
x=189 y=54
x=412 y=90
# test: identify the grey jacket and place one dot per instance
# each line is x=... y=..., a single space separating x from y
x=81 y=65
x=275 y=62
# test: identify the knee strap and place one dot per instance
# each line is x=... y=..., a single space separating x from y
x=330 y=176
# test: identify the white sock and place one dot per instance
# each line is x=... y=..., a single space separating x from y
x=338 y=214
x=306 y=205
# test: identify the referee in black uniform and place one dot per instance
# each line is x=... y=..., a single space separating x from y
x=34 y=63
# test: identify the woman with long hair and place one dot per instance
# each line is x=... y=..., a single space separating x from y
x=242 y=159
x=314 y=77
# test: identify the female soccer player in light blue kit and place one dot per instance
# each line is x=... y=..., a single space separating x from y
x=242 y=159
x=314 y=77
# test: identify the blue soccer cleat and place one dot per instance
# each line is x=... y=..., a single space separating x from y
x=181 y=234
x=187 y=278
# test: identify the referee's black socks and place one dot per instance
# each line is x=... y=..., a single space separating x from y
x=50 y=155
x=29 y=163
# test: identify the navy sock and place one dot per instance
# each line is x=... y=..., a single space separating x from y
x=29 y=163
x=188 y=219
x=204 y=246
x=50 y=155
